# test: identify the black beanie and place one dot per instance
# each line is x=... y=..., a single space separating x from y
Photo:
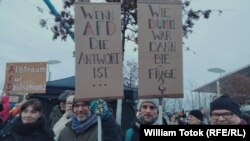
x=197 y=114
x=63 y=96
x=224 y=102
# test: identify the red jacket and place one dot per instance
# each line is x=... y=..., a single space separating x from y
x=4 y=115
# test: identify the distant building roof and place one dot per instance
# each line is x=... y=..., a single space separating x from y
x=211 y=87
x=69 y=82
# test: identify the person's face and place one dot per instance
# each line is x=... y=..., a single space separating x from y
x=81 y=111
x=148 y=112
x=192 y=120
x=29 y=115
x=62 y=106
x=224 y=117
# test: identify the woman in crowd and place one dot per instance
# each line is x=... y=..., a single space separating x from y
x=30 y=125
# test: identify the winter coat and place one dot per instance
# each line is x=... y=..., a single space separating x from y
x=4 y=114
x=55 y=115
x=61 y=123
x=36 y=131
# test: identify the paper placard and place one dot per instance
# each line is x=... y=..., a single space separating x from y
x=27 y=77
x=98 y=50
x=160 y=49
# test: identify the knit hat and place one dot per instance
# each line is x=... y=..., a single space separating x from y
x=156 y=103
x=224 y=102
x=197 y=114
x=63 y=96
x=153 y=101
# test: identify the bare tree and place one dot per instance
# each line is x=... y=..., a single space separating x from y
x=190 y=97
x=238 y=87
x=180 y=104
x=64 y=21
x=130 y=77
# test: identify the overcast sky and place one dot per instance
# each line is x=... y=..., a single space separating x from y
x=221 y=41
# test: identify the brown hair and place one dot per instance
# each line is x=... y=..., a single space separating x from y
x=34 y=103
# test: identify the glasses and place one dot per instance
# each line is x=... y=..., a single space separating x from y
x=224 y=115
x=80 y=105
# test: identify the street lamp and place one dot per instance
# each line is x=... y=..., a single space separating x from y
x=52 y=62
x=217 y=70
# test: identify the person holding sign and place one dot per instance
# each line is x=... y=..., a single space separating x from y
x=83 y=124
x=30 y=125
x=224 y=111
x=148 y=114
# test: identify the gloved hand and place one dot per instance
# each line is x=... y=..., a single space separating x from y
x=100 y=107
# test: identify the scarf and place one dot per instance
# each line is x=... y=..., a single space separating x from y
x=27 y=128
x=27 y=131
x=81 y=126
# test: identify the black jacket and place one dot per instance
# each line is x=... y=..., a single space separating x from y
x=36 y=131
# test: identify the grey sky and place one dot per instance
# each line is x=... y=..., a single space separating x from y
x=221 y=41
x=23 y=40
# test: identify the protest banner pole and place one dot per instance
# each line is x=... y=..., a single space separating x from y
x=119 y=111
x=160 y=111
x=99 y=127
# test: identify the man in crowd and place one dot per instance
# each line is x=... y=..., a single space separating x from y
x=83 y=124
x=58 y=110
x=224 y=111
x=195 y=117
x=148 y=114
x=58 y=127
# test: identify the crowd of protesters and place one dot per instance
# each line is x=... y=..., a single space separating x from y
x=74 y=119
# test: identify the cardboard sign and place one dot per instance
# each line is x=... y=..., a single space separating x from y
x=160 y=48
x=98 y=50
x=25 y=78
